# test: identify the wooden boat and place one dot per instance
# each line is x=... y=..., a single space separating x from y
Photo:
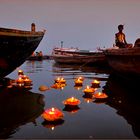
x=16 y=46
x=39 y=57
x=62 y=50
x=126 y=61
x=76 y=56
x=73 y=51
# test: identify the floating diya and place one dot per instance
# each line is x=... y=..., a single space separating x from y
x=20 y=81
x=57 y=80
x=60 y=80
x=95 y=83
x=78 y=82
x=27 y=82
x=80 y=78
x=20 y=72
x=24 y=77
x=52 y=114
x=71 y=102
x=58 y=86
x=88 y=90
x=100 y=95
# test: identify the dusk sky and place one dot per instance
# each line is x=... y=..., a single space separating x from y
x=85 y=24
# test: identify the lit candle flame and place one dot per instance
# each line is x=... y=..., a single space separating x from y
x=81 y=78
x=53 y=109
x=88 y=101
x=96 y=81
x=19 y=78
x=72 y=98
x=78 y=88
x=27 y=79
x=20 y=71
x=95 y=89
x=58 y=78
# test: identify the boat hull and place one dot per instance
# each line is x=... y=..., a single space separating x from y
x=125 y=61
x=15 y=49
x=39 y=58
x=80 y=59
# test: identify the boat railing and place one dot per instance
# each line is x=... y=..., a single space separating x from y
x=15 y=31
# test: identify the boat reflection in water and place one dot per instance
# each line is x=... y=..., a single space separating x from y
x=34 y=66
x=68 y=69
x=17 y=107
x=124 y=97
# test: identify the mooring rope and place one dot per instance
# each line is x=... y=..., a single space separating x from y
x=84 y=64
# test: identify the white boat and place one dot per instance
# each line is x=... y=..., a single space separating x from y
x=76 y=56
x=73 y=51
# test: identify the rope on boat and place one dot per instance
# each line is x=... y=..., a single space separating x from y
x=85 y=64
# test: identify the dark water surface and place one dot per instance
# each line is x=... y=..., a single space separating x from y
x=86 y=24
x=116 y=117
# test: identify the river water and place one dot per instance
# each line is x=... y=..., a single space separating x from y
x=86 y=24
x=115 y=117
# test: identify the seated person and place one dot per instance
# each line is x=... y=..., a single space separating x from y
x=120 y=40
